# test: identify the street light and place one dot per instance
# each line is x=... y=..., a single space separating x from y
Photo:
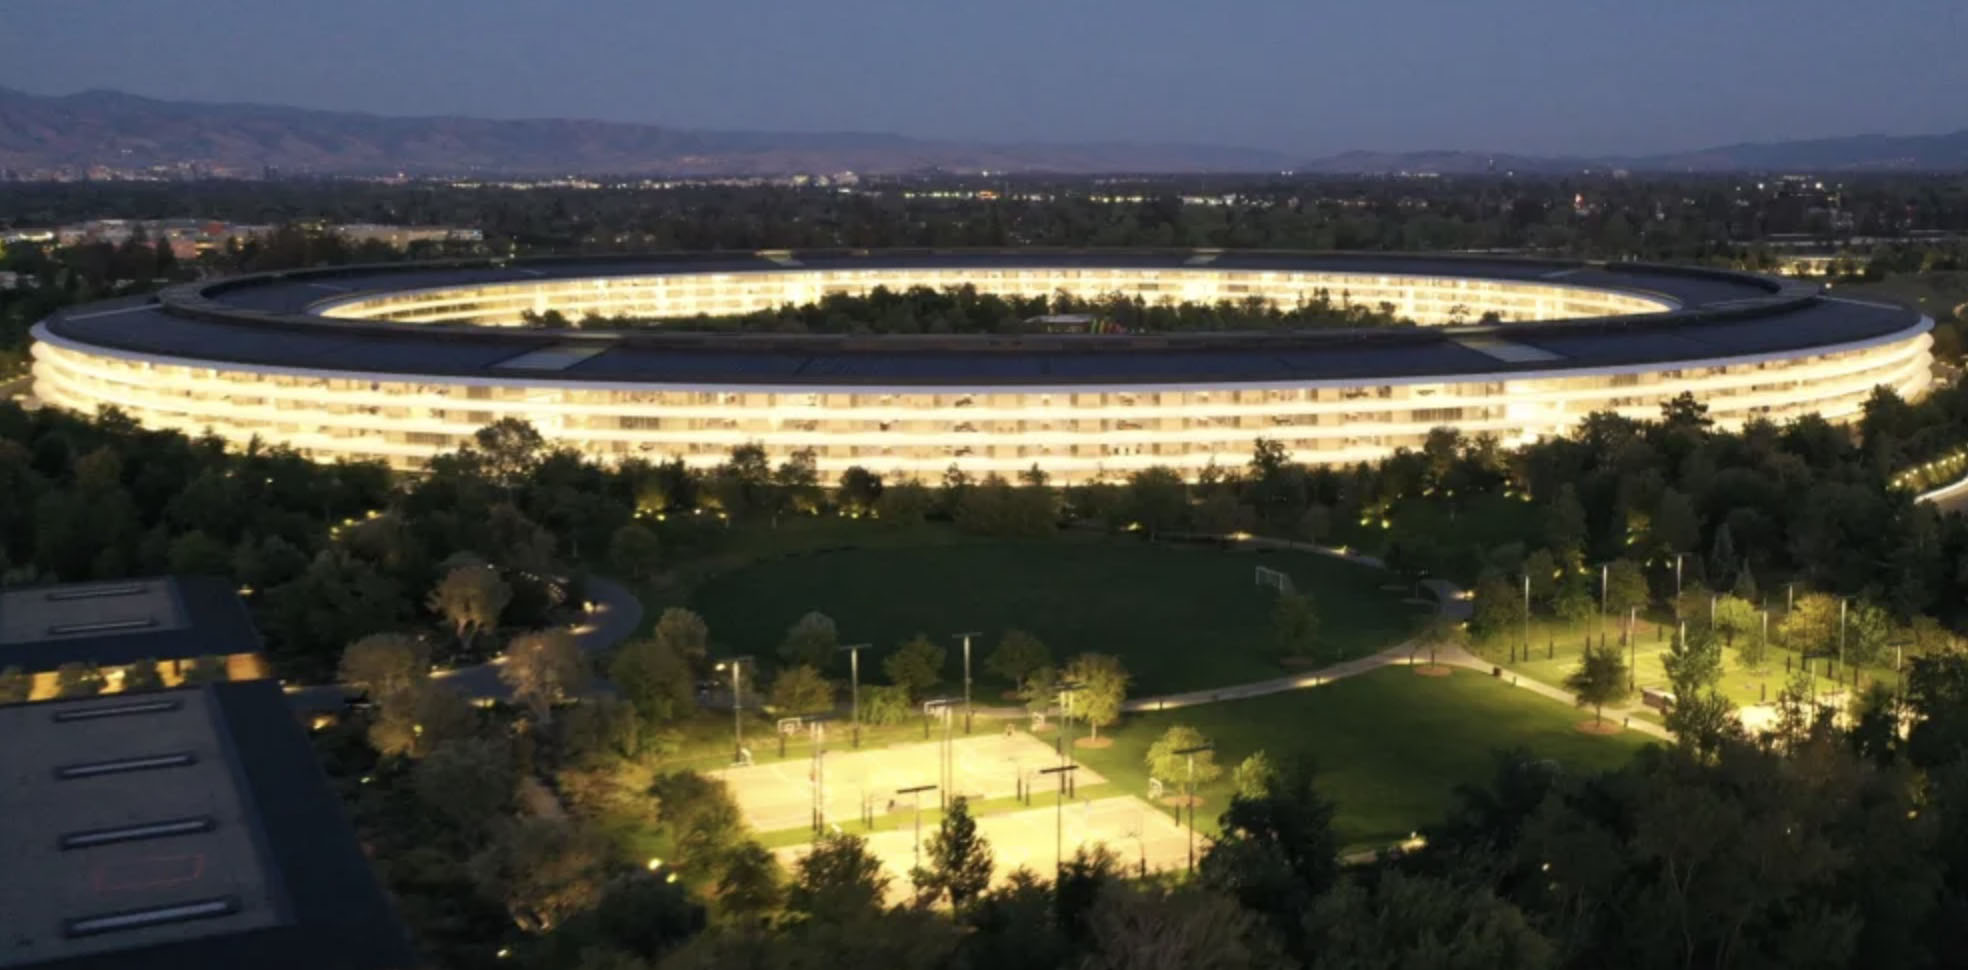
x=1059 y=818
x=965 y=637
x=1065 y=689
x=1527 y=616
x=737 y=667
x=1190 y=754
x=916 y=792
x=854 y=679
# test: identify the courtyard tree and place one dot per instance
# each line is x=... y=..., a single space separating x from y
x=904 y=503
x=78 y=679
x=467 y=781
x=837 y=880
x=143 y=675
x=470 y=597
x=1626 y=587
x=206 y=669
x=1497 y=607
x=683 y=632
x=1811 y=626
x=544 y=668
x=1102 y=688
x=811 y=641
x=1735 y=619
x=542 y=870
x=383 y=663
x=1017 y=654
x=1277 y=853
x=800 y=690
x=916 y=666
x=15 y=685
x=1253 y=776
x=859 y=490
x=1599 y=679
x=412 y=721
x=1157 y=499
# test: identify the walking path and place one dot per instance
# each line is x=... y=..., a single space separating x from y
x=616 y=615
x=1451 y=602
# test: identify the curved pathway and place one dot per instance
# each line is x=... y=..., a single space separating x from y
x=616 y=615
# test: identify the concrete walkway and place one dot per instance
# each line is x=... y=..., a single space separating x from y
x=617 y=614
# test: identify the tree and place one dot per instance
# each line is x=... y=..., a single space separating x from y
x=143 y=675
x=1599 y=679
x=1811 y=626
x=470 y=597
x=959 y=858
x=859 y=490
x=1497 y=608
x=1157 y=498
x=1174 y=769
x=78 y=679
x=1144 y=927
x=206 y=669
x=1295 y=626
x=1564 y=528
x=683 y=632
x=811 y=641
x=543 y=668
x=1103 y=687
x=416 y=719
x=1398 y=921
x=636 y=551
x=837 y=879
x=1676 y=527
x=749 y=885
x=468 y=781
x=509 y=450
x=1626 y=587
x=1868 y=631
x=542 y=870
x=884 y=704
x=1253 y=776
x=1276 y=854
x=1017 y=654
x=1734 y=617
x=655 y=678
x=916 y=666
x=904 y=503
x=16 y=685
x=383 y=663
x=801 y=690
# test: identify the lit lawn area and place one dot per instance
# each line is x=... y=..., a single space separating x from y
x=1391 y=745
x=1179 y=617
x=1941 y=295
x=1556 y=647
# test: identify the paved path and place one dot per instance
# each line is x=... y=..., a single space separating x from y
x=615 y=617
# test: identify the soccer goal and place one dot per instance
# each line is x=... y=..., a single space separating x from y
x=1276 y=579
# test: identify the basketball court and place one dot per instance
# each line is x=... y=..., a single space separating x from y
x=855 y=784
x=1139 y=834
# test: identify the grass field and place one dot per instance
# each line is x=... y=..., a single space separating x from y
x=1556 y=647
x=1391 y=746
x=1179 y=617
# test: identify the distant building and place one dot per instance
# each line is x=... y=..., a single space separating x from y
x=110 y=625
x=178 y=829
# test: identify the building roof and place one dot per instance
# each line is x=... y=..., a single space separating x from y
x=123 y=621
x=268 y=322
x=180 y=828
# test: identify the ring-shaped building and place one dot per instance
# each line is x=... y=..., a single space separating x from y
x=402 y=362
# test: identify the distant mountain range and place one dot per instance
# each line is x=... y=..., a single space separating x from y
x=126 y=132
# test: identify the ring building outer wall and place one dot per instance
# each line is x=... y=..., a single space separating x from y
x=402 y=363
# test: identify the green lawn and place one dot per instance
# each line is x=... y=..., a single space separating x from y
x=1391 y=746
x=1556 y=647
x=1180 y=617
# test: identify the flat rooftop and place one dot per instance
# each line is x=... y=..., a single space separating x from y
x=123 y=621
x=179 y=828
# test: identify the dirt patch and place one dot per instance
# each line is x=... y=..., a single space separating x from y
x=1093 y=742
x=1598 y=727
x=1433 y=670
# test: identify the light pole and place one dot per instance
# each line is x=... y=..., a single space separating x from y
x=819 y=790
x=1066 y=688
x=1841 y=630
x=1190 y=754
x=737 y=667
x=1604 y=579
x=1527 y=616
x=1677 y=585
x=854 y=680
x=916 y=793
x=965 y=637
x=1059 y=818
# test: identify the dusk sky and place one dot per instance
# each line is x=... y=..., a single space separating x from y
x=1311 y=76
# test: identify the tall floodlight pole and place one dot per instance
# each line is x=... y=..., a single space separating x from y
x=737 y=668
x=1677 y=585
x=1527 y=616
x=1059 y=818
x=1604 y=579
x=916 y=793
x=965 y=637
x=1067 y=689
x=1190 y=754
x=1841 y=630
x=854 y=682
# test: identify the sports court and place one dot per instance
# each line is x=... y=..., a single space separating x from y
x=1135 y=831
x=780 y=795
